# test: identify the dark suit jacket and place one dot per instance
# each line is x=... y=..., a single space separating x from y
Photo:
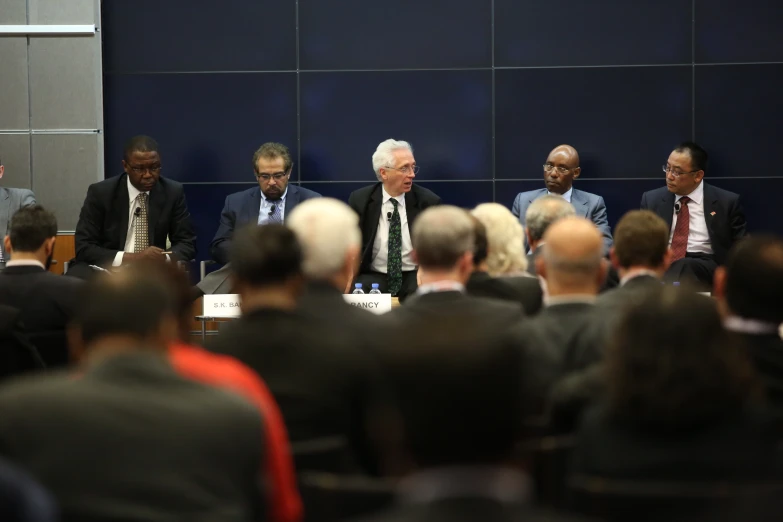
x=523 y=290
x=17 y=354
x=766 y=352
x=722 y=211
x=22 y=499
x=324 y=383
x=131 y=440
x=242 y=208
x=47 y=303
x=561 y=339
x=738 y=446
x=616 y=300
x=103 y=222
x=491 y=314
x=323 y=302
x=367 y=203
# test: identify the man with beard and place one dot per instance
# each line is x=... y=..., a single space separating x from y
x=47 y=302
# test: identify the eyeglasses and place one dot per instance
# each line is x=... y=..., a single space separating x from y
x=154 y=169
x=562 y=170
x=676 y=173
x=406 y=170
x=278 y=176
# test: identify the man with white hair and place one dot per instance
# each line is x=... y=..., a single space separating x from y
x=539 y=216
x=328 y=232
x=387 y=211
x=444 y=240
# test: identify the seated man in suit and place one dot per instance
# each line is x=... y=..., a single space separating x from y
x=272 y=202
x=444 y=241
x=17 y=355
x=128 y=439
x=568 y=335
x=321 y=376
x=497 y=249
x=540 y=214
x=560 y=171
x=132 y=215
x=641 y=256
x=704 y=221
x=748 y=289
x=328 y=232
x=11 y=200
x=47 y=302
x=387 y=211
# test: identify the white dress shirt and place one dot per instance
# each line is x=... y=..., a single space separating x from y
x=25 y=262
x=266 y=207
x=565 y=195
x=130 y=240
x=698 y=236
x=380 y=248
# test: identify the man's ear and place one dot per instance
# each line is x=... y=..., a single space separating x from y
x=613 y=257
x=2 y=170
x=577 y=171
x=76 y=347
x=719 y=282
x=50 y=246
x=415 y=257
x=667 y=259
x=7 y=245
x=540 y=266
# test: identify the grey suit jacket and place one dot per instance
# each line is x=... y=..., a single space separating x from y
x=587 y=205
x=131 y=440
x=11 y=200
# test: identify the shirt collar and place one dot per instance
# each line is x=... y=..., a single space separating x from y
x=282 y=198
x=566 y=195
x=569 y=299
x=737 y=324
x=133 y=192
x=441 y=286
x=697 y=196
x=498 y=483
x=386 y=197
x=637 y=273
x=25 y=262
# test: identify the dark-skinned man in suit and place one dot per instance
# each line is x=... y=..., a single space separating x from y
x=704 y=221
x=387 y=211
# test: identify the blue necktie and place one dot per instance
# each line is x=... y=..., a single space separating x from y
x=276 y=211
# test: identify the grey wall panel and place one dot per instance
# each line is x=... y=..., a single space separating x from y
x=14 y=107
x=62 y=83
x=64 y=166
x=13 y=12
x=62 y=11
x=15 y=156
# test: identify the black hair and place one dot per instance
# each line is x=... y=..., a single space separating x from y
x=30 y=227
x=699 y=156
x=267 y=255
x=754 y=283
x=139 y=144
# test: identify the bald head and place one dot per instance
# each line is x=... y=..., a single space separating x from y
x=561 y=169
x=572 y=259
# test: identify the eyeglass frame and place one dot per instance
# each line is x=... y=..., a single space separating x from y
x=559 y=168
x=675 y=173
x=278 y=176
x=415 y=169
x=143 y=170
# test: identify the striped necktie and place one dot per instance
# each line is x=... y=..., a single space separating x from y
x=275 y=211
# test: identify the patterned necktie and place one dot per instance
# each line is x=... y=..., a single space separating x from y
x=141 y=225
x=394 y=260
x=276 y=211
x=681 y=229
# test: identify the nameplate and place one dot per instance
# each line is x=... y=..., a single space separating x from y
x=222 y=305
x=375 y=303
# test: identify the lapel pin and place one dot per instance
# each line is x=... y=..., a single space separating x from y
x=712 y=213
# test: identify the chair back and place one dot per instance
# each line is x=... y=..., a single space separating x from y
x=331 y=498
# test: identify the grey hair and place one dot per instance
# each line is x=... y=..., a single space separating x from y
x=505 y=239
x=326 y=229
x=543 y=212
x=441 y=235
x=384 y=154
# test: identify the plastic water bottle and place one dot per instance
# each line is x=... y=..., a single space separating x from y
x=357 y=289
x=375 y=289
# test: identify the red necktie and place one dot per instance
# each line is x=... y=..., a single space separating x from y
x=681 y=229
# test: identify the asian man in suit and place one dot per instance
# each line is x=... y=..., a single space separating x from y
x=387 y=211
x=133 y=215
x=11 y=200
x=704 y=221
x=560 y=171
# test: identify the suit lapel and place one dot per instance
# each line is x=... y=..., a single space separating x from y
x=122 y=205
x=5 y=216
x=291 y=200
x=534 y=196
x=411 y=208
x=579 y=202
x=665 y=208
x=710 y=203
x=371 y=217
x=251 y=207
x=156 y=202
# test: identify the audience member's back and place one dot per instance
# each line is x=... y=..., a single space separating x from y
x=322 y=380
x=680 y=400
x=128 y=439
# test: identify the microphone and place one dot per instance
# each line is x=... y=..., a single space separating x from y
x=137 y=212
x=388 y=216
x=677 y=207
x=271 y=211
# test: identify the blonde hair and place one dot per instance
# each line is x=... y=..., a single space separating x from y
x=505 y=239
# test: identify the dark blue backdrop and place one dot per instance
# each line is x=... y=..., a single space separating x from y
x=483 y=89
